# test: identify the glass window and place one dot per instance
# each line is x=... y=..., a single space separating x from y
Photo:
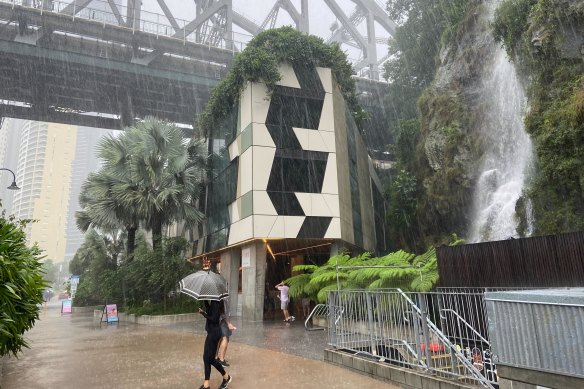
x=298 y=171
x=221 y=190
x=354 y=179
x=379 y=217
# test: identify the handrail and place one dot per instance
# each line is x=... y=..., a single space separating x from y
x=317 y=307
x=324 y=310
x=467 y=324
x=414 y=353
x=461 y=358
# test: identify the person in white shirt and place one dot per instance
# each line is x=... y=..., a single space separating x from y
x=284 y=300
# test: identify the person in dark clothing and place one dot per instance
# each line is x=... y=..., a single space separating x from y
x=212 y=313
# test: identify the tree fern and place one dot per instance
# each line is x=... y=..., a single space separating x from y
x=327 y=278
x=400 y=269
x=323 y=293
x=306 y=268
x=297 y=284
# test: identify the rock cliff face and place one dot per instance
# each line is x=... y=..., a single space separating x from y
x=459 y=131
x=571 y=29
x=452 y=109
x=550 y=51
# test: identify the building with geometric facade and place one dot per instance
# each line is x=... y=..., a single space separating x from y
x=292 y=183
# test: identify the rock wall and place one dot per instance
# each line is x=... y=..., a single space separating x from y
x=451 y=111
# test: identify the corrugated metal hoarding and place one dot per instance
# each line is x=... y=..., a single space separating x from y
x=538 y=329
x=542 y=261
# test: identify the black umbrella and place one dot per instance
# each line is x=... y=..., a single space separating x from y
x=204 y=285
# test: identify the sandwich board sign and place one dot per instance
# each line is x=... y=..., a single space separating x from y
x=66 y=306
x=110 y=311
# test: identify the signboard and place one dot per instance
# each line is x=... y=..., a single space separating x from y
x=66 y=306
x=246 y=257
x=111 y=313
x=74 y=283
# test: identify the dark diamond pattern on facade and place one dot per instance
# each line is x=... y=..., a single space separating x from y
x=293 y=107
x=294 y=169
x=314 y=227
x=286 y=203
x=298 y=171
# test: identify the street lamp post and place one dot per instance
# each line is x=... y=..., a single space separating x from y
x=12 y=186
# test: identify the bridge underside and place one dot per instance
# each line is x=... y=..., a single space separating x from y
x=61 y=67
x=51 y=72
x=67 y=88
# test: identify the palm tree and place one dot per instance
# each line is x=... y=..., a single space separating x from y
x=166 y=176
x=101 y=209
x=150 y=174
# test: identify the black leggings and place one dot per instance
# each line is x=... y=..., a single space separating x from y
x=210 y=350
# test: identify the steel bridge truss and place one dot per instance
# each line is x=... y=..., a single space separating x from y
x=106 y=63
x=219 y=25
x=214 y=21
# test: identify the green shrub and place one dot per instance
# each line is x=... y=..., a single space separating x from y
x=21 y=286
x=260 y=61
x=400 y=269
x=511 y=22
x=177 y=304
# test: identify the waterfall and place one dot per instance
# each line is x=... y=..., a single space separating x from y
x=508 y=153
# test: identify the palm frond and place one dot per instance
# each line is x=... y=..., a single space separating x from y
x=308 y=268
x=297 y=284
x=424 y=258
x=327 y=277
x=83 y=221
x=322 y=294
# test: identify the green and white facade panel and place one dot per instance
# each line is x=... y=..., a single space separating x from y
x=291 y=165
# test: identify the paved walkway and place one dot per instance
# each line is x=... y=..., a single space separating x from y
x=73 y=351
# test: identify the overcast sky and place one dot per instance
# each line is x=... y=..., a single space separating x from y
x=320 y=16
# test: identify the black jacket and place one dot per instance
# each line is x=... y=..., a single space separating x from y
x=213 y=316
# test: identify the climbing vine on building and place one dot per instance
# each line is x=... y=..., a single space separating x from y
x=260 y=62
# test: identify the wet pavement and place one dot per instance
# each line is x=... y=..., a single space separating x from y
x=73 y=351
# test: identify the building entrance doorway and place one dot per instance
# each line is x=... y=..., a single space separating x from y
x=281 y=257
x=278 y=268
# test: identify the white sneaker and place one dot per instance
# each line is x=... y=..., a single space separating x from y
x=292 y=318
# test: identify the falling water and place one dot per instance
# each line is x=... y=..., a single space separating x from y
x=509 y=154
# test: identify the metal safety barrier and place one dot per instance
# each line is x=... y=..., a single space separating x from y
x=443 y=334
x=321 y=317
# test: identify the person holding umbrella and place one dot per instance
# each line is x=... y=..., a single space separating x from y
x=212 y=289
x=212 y=313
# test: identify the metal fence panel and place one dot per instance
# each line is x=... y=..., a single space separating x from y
x=542 y=261
x=539 y=329
x=442 y=333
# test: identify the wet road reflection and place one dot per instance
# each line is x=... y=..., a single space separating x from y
x=73 y=351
